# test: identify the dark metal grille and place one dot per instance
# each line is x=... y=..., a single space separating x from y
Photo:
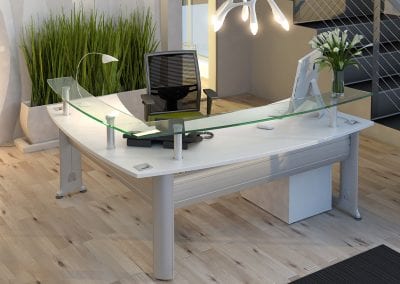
x=379 y=22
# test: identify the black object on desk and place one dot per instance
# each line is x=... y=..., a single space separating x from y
x=166 y=141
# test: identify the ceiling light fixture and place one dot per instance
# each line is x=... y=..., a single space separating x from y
x=248 y=11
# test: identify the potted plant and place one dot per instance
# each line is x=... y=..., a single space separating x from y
x=338 y=52
x=53 y=49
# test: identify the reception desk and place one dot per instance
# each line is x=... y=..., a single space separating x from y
x=235 y=159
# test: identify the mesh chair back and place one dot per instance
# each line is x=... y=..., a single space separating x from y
x=173 y=80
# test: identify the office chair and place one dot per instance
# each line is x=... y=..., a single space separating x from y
x=173 y=86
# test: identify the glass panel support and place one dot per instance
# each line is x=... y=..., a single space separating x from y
x=65 y=100
x=177 y=127
x=333 y=111
x=110 y=118
x=333 y=117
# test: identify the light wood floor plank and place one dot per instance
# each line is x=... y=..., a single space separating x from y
x=104 y=235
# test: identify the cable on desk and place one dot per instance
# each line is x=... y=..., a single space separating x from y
x=206 y=134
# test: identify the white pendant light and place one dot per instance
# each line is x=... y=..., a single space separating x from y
x=253 y=18
x=248 y=10
x=245 y=11
x=278 y=15
x=222 y=11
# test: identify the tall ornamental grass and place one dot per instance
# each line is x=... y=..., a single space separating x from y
x=54 y=48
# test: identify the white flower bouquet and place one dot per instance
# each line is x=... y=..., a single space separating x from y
x=338 y=52
x=337 y=49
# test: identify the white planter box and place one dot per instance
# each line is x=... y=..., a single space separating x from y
x=40 y=131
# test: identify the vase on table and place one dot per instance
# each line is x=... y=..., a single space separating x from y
x=338 y=83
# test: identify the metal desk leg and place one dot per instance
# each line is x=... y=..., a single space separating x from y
x=70 y=168
x=163 y=227
x=348 y=196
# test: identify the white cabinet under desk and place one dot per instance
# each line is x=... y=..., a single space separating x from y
x=296 y=197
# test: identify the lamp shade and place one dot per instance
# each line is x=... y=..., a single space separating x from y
x=105 y=58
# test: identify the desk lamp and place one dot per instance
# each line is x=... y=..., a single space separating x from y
x=110 y=118
x=248 y=10
x=105 y=58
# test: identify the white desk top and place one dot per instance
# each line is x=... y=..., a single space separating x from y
x=229 y=145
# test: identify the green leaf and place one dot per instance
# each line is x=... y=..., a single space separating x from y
x=53 y=48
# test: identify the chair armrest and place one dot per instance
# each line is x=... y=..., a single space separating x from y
x=211 y=94
x=147 y=99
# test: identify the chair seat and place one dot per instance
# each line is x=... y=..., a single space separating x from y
x=174 y=115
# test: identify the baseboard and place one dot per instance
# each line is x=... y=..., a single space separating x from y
x=25 y=147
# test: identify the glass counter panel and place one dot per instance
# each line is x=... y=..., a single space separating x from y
x=96 y=109
x=125 y=122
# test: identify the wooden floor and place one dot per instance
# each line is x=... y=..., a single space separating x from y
x=104 y=235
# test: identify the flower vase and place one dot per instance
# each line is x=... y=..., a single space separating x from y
x=338 y=83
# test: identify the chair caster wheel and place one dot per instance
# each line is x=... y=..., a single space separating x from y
x=59 y=196
x=83 y=189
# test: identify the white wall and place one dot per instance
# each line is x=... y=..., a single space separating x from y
x=275 y=53
x=14 y=86
x=263 y=65
x=392 y=7
x=234 y=47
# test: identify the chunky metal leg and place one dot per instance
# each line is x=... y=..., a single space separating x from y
x=70 y=168
x=348 y=196
x=163 y=227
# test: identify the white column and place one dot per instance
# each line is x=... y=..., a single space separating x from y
x=10 y=85
x=171 y=24
x=163 y=227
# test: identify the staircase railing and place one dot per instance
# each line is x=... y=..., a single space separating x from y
x=387 y=30
x=379 y=22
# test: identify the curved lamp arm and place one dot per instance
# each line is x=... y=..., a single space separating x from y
x=222 y=11
x=105 y=58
